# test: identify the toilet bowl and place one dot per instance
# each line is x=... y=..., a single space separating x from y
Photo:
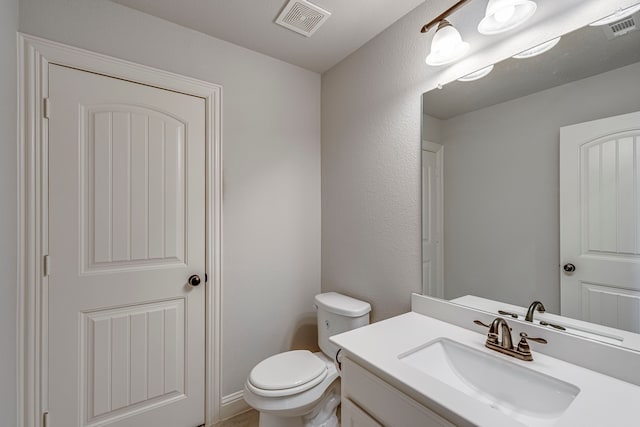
x=299 y=388
x=304 y=397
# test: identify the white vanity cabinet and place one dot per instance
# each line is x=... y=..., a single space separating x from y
x=353 y=416
x=368 y=401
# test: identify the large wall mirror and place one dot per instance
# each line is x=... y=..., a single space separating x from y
x=531 y=187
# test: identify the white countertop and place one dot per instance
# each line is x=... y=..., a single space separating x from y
x=602 y=401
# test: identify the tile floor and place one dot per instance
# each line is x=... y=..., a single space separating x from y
x=248 y=419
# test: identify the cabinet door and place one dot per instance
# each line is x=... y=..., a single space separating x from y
x=388 y=405
x=353 y=416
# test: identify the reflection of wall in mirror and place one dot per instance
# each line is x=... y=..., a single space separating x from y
x=501 y=177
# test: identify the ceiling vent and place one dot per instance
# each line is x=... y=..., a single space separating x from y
x=620 y=28
x=302 y=17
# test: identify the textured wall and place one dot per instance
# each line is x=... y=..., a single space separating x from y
x=501 y=187
x=371 y=117
x=271 y=143
x=371 y=168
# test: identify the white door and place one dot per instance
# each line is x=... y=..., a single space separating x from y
x=432 y=282
x=600 y=221
x=126 y=231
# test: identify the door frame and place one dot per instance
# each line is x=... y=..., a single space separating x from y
x=438 y=149
x=34 y=56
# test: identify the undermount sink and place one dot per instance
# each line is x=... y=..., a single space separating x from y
x=530 y=397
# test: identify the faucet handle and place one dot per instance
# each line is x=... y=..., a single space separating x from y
x=524 y=336
x=479 y=323
x=523 y=345
x=508 y=313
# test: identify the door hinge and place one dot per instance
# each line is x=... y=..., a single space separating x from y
x=46 y=107
x=45 y=419
x=46 y=265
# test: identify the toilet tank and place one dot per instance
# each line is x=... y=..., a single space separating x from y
x=338 y=313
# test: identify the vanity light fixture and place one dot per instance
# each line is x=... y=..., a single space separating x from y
x=505 y=15
x=477 y=75
x=537 y=50
x=447 y=45
x=617 y=16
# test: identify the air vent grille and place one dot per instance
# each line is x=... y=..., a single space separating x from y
x=302 y=17
x=620 y=28
x=623 y=26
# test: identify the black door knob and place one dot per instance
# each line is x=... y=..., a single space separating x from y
x=194 y=280
x=569 y=268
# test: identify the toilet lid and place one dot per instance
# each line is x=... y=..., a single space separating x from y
x=287 y=370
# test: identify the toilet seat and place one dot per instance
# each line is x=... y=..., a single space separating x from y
x=286 y=374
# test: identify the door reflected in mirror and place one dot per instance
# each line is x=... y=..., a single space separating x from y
x=540 y=201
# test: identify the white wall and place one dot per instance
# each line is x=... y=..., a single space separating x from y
x=371 y=115
x=8 y=225
x=271 y=143
x=501 y=187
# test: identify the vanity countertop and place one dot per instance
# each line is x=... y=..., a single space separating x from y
x=602 y=400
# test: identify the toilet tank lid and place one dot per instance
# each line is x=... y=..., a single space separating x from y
x=343 y=305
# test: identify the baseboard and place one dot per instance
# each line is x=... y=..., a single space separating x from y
x=232 y=405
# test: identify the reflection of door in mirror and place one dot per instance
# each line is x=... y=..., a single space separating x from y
x=600 y=221
x=432 y=260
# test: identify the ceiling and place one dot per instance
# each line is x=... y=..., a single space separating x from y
x=250 y=23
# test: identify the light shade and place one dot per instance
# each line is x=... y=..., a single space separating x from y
x=617 y=16
x=537 y=50
x=505 y=15
x=447 y=45
x=476 y=75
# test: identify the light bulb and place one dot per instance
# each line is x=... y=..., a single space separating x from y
x=449 y=38
x=476 y=75
x=504 y=14
x=537 y=50
x=447 y=45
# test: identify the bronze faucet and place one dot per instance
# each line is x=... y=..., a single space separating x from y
x=536 y=305
x=494 y=331
x=505 y=345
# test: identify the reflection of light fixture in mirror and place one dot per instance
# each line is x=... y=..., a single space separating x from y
x=505 y=15
x=476 y=75
x=447 y=45
x=537 y=50
x=617 y=16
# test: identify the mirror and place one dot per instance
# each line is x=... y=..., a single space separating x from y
x=531 y=186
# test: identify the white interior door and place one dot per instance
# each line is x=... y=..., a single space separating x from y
x=432 y=259
x=126 y=231
x=600 y=221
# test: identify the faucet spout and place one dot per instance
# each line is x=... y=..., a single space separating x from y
x=501 y=325
x=536 y=305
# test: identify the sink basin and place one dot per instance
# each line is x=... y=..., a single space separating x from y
x=528 y=396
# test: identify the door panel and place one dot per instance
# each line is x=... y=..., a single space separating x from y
x=126 y=230
x=432 y=281
x=135 y=174
x=600 y=221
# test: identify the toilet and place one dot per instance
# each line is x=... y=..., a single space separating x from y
x=299 y=388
